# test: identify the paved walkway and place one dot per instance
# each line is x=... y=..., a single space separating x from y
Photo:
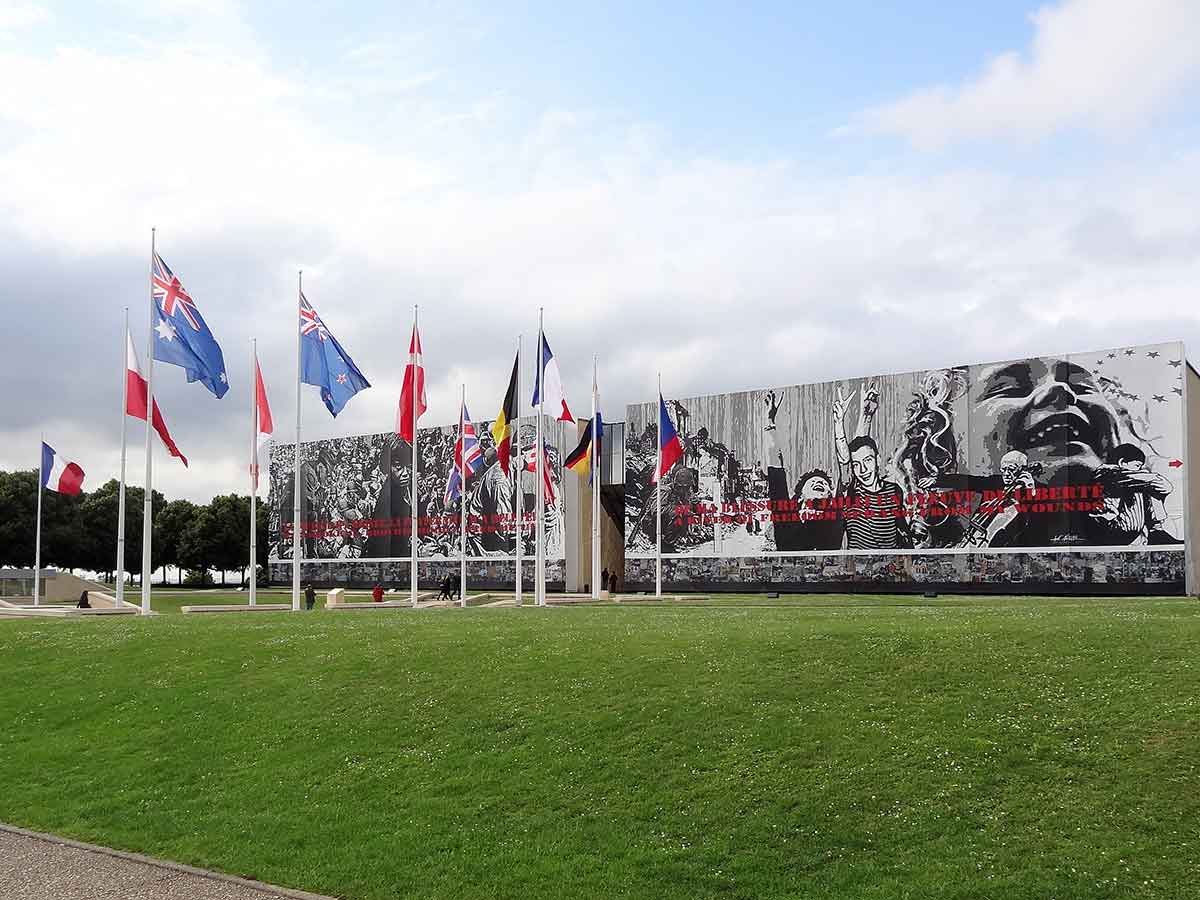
x=37 y=866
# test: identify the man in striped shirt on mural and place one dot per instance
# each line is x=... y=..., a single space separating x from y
x=872 y=509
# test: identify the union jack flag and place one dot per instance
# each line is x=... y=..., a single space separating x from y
x=310 y=321
x=473 y=459
x=170 y=295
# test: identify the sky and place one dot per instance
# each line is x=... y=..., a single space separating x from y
x=736 y=195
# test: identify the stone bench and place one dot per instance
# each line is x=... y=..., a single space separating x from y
x=238 y=608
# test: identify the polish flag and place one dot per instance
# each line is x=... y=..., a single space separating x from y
x=135 y=398
x=414 y=386
x=58 y=474
x=266 y=426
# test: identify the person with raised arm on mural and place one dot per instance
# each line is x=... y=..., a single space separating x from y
x=874 y=512
x=811 y=526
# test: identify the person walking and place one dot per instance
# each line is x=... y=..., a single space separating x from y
x=310 y=596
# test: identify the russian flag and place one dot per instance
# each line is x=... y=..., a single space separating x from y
x=60 y=475
x=671 y=447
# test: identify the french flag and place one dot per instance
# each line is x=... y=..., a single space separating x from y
x=671 y=446
x=553 y=398
x=60 y=475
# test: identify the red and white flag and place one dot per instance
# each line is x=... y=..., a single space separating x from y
x=547 y=472
x=266 y=425
x=414 y=388
x=135 y=398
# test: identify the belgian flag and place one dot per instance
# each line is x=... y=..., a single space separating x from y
x=580 y=460
x=506 y=422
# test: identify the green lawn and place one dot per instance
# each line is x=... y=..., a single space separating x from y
x=821 y=747
x=172 y=600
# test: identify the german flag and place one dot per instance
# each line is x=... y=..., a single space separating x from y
x=580 y=460
x=506 y=421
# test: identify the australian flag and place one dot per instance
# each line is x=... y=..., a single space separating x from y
x=324 y=363
x=181 y=336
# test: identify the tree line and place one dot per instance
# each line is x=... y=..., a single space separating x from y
x=81 y=532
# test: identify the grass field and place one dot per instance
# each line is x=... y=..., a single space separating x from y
x=823 y=747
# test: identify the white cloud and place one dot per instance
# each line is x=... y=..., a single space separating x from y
x=1100 y=65
x=723 y=275
x=19 y=14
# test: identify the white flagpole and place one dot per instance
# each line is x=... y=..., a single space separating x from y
x=253 y=466
x=37 y=546
x=518 y=468
x=125 y=339
x=296 y=473
x=414 y=498
x=148 y=500
x=539 y=584
x=596 y=488
x=658 y=495
x=462 y=501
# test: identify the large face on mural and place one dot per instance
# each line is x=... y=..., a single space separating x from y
x=1051 y=409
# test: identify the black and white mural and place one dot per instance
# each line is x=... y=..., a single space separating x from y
x=1075 y=451
x=356 y=497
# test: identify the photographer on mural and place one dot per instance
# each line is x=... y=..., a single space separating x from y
x=1133 y=512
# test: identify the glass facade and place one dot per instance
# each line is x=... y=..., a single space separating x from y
x=612 y=453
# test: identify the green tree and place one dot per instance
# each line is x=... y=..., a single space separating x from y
x=134 y=505
x=262 y=549
x=231 y=521
x=169 y=526
x=99 y=513
x=198 y=541
x=18 y=501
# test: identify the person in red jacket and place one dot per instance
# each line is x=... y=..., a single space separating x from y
x=377 y=593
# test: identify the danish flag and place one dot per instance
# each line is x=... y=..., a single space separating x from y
x=413 y=387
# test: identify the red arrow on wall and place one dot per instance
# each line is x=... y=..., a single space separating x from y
x=1176 y=463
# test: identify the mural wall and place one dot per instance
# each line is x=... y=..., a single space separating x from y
x=356 y=499
x=1082 y=451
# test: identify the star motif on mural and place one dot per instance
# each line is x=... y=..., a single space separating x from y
x=1176 y=362
x=1130 y=352
x=1159 y=398
x=1154 y=354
